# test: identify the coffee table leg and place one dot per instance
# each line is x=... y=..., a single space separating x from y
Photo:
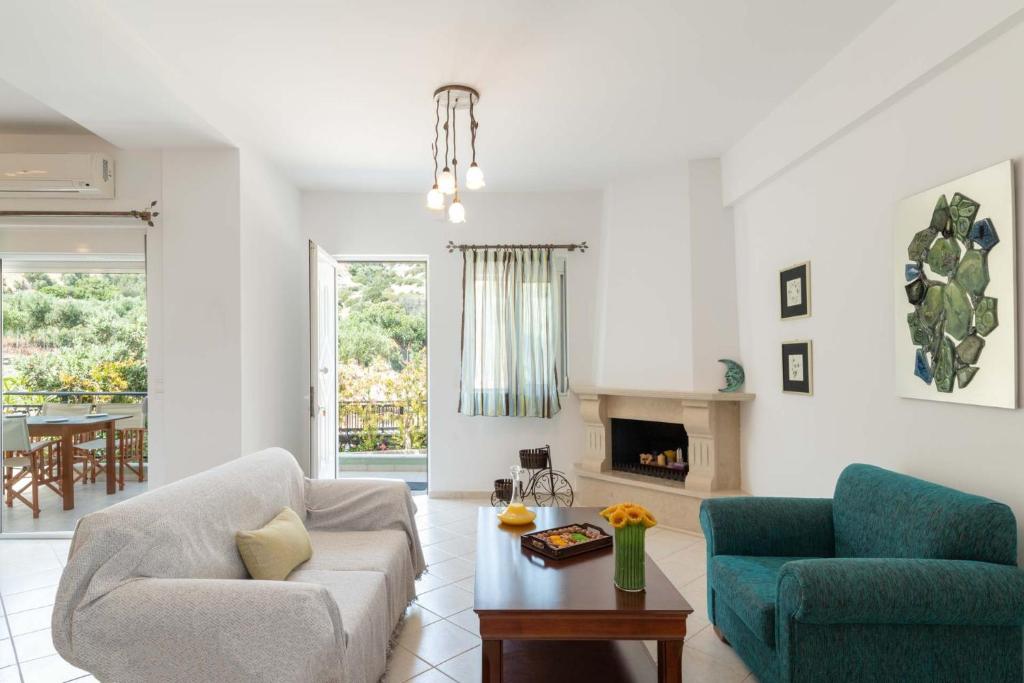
x=670 y=661
x=491 y=661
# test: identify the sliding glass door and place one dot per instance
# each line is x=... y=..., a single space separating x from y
x=74 y=346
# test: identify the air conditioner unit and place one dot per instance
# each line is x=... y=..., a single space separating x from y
x=76 y=176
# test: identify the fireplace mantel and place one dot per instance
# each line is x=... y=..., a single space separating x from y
x=711 y=420
x=657 y=393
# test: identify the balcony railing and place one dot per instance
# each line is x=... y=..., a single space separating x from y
x=384 y=425
x=31 y=402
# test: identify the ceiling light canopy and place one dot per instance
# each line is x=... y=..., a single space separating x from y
x=446 y=183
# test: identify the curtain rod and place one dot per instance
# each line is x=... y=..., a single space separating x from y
x=144 y=215
x=452 y=247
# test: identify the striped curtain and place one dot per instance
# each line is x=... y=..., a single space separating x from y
x=509 y=333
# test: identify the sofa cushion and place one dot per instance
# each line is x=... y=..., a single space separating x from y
x=362 y=601
x=385 y=551
x=878 y=513
x=748 y=585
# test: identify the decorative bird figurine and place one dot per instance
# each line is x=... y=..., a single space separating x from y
x=734 y=375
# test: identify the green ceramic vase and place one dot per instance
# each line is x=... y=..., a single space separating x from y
x=629 y=558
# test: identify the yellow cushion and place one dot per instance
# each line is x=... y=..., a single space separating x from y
x=271 y=553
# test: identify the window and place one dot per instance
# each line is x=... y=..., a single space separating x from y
x=514 y=356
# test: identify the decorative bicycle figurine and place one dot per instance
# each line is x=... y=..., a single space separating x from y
x=548 y=486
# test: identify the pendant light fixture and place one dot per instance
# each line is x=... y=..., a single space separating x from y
x=453 y=97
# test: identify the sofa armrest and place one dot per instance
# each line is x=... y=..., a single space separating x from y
x=206 y=630
x=364 y=505
x=900 y=591
x=777 y=527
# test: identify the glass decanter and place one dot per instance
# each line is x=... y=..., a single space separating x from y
x=516 y=513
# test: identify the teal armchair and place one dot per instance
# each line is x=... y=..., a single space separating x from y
x=892 y=579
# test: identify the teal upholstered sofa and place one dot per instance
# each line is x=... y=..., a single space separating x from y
x=892 y=579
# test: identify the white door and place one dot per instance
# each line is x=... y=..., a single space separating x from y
x=323 y=318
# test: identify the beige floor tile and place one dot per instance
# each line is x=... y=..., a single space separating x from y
x=700 y=667
x=468 y=620
x=453 y=570
x=418 y=616
x=438 y=642
x=684 y=566
x=14 y=564
x=457 y=547
x=696 y=593
x=403 y=665
x=707 y=642
x=664 y=542
x=10 y=674
x=50 y=669
x=431 y=676
x=40 y=597
x=34 y=645
x=465 y=526
x=467 y=584
x=695 y=623
x=429 y=582
x=466 y=667
x=30 y=620
x=61 y=547
x=446 y=600
x=435 y=535
x=433 y=553
x=26 y=582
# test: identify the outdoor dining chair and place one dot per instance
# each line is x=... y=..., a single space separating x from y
x=129 y=442
x=27 y=465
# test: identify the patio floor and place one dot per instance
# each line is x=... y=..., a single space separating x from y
x=52 y=516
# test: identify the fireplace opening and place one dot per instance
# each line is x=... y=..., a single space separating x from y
x=655 y=449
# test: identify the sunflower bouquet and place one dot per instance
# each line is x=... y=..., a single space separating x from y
x=631 y=522
x=628 y=513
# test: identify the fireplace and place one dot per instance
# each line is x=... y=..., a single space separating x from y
x=634 y=441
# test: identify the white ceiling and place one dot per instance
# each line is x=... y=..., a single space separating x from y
x=574 y=93
x=22 y=113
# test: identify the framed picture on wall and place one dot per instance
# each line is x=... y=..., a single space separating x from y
x=795 y=291
x=954 y=282
x=797 y=361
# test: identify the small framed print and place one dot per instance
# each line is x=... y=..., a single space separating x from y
x=795 y=291
x=796 y=367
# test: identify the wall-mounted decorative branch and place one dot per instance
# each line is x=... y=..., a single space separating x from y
x=144 y=215
x=452 y=247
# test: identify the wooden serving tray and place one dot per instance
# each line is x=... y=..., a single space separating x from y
x=539 y=545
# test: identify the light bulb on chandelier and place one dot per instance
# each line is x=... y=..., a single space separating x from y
x=446 y=181
x=435 y=199
x=457 y=212
x=474 y=177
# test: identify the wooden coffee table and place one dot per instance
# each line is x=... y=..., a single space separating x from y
x=559 y=620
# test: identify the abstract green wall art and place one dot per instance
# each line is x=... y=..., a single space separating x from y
x=955 y=298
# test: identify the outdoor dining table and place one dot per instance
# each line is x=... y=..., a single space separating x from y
x=66 y=428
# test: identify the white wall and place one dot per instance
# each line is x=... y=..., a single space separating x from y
x=468 y=453
x=712 y=263
x=646 y=327
x=835 y=208
x=274 y=295
x=195 y=317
